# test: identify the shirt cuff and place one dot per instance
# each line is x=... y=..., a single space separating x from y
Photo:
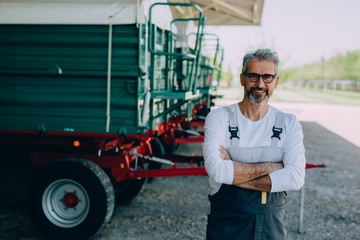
x=229 y=171
x=275 y=178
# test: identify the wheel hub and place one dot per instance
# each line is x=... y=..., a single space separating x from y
x=70 y=200
x=65 y=203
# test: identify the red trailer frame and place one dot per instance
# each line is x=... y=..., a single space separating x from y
x=115 y=152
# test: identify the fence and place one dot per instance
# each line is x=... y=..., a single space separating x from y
x=341 y=85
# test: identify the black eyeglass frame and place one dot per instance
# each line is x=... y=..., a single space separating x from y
x=259 y=75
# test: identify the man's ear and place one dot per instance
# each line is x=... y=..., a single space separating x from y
x=277 y=80
x=242 y=79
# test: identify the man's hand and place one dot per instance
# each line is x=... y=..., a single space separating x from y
x=223 y=153
x=251 y=175
x=259 y=184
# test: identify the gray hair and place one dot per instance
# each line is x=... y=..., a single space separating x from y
x=261 y=54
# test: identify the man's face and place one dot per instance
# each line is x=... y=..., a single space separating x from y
x=259 y=92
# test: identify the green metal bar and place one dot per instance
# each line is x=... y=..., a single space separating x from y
x=200 y=19
x=187 y=56
x=212 y=39
x=172 y=108
x=196 y=50
x=217 y=44
x=219 y=67
x=192 y=83
x=213 y=67
x=191 y=57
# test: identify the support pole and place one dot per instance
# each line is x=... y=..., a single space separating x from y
x=108 y=97
x=301 y=217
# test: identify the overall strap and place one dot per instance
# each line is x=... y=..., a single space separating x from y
x=233 y=127
x=277 y=129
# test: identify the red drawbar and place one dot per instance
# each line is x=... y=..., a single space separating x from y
x=310 y=165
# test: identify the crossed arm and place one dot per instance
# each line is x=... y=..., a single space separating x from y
x=254 y=176
x=274 y=177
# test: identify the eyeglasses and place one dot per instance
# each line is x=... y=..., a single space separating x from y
x=254 y=77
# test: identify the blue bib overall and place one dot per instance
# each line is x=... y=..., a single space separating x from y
x=238 y=213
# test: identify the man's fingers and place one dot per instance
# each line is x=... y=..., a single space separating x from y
x=223 y=153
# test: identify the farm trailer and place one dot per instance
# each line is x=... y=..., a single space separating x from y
x=210 y=73
x=89 y=92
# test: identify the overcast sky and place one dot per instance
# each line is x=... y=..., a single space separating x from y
x=301 y=31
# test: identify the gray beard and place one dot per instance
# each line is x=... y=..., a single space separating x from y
x=252 y=99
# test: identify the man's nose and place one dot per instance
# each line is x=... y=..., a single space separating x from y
x=260 y=83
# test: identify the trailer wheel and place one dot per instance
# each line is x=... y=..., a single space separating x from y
x=127 y=190
x=157 y=150
x=71 y=199
x=203 y=112
x=171 y=148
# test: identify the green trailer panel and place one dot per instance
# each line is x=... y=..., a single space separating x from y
x=54 y=77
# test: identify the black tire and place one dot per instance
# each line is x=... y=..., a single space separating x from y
x=71 y=199
x=171 y=148
x=157 y=150
x=127 y=190
x=203 y=112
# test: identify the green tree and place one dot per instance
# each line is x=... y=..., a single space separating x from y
x=340 y=67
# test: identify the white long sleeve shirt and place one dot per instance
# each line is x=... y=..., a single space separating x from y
x=254 y=134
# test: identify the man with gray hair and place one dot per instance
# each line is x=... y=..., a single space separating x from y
x=253 y=154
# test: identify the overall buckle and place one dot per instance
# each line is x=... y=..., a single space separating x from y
x=233 y=131
x=276 y=132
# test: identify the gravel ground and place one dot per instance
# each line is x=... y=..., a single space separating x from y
x=177 y=208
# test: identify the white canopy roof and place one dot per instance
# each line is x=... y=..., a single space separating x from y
x=217 y=12
x=225 y=12
x=82 y=12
